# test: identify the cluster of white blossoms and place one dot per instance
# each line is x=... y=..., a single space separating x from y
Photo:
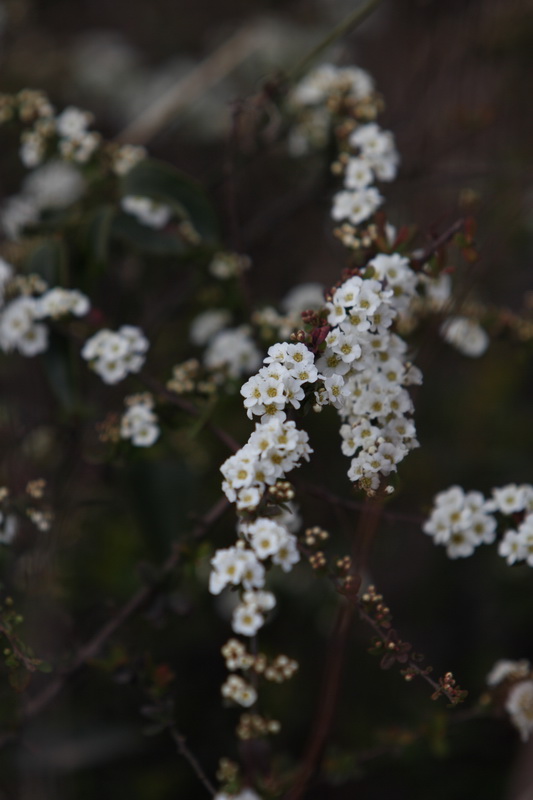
x=366 y=370
x=66 y=133
x=466 y=335
x=237 y=689
x=232 y=352
x=114 y=354
x=21 y=327
x=325 y=92
x=373 y=155
x=65 y=141
x=146 y=211
x=347 y=93
x=275 y=447
x=59 y=302
x=244 y=794
x=461 y=521
x=518 y=679
x=280 y=382
x=282 y=323
x=226 y=265
x=139 y=422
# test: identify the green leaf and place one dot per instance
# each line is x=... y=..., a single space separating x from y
x=48 y=260
x=99 y=232
x=58 y=371
x=165 y=184
x=145 y=239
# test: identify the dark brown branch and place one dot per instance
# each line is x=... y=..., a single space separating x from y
x=367 y=526
x=184 y=751
x=412 y=665
x=136 y=602
x=419 y=260
x=354 y=505
x=157 y=388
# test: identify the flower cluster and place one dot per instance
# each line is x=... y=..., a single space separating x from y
x=244 y=794
x=61 y=138
x=139 y=423
x=461 y=521
x=515 y=678
x=325 y=94
x=226 y=265
x=280 y=382
x=273 y=449
x=372 y=155
x=66 y=134
x=329 y=93
x=58 y=302
x=279 y=324
x=146 y=211
x=232 y=352
x=465 y=335
x=366 y=370
x=19 y=326
x=113 y=354
x=235 y=688
x=30 y=503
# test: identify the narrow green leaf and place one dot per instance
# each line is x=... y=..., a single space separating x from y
x=165 y=184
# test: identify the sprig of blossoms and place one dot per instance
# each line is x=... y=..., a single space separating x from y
x=139 y=422
x=461 y=521
x=114 y=354
x=511 y=684
x=366 y=369
x=21 y=327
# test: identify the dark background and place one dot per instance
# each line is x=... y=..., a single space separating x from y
x=456 y=78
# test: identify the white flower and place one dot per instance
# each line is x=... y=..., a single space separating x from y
x=511 y=498
x=356 y=206
x=288 y=554
x=519 y=706
x=18 y=212
x=206 y=325
x=58 y=302
x=56 y=184
x=233 y=351
x=247 y=619
x=139 y=423
x=147 y=211
x=504 y=669
x=358 y=174
x=72 y=123
x=466 y=336
x=512 y=547
x=8 y=528
x=265 y=536
x=303 y=297
x=18 y=330
x=113 y=354
x=126 y=157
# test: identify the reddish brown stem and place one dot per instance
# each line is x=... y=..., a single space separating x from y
x=329 y=696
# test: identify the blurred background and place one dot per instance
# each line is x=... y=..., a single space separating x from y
x=456 y=80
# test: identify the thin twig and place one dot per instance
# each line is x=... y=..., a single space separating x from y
x=195 y=84
x=410 y=663
x=354 y=505
x=349 y=24
x=30 y=663
x=136 y=602
x=189 y=408
x=184 y=751
x=419 y=260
